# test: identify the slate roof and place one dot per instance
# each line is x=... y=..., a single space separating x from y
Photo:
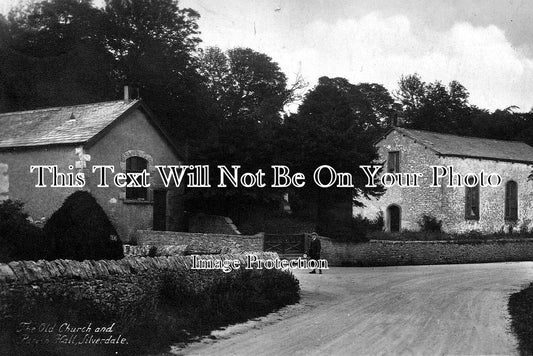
x=473 y=147
x=59 y=125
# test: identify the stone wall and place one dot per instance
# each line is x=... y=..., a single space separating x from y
x=390 y=253
x=30 y=272
x=214 y=243
x=147 y=250
x=124 y=293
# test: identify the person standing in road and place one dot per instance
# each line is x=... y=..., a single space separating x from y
x=314 y=250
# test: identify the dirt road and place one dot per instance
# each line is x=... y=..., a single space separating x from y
x=412 y=310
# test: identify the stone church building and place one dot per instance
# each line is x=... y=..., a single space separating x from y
x=509 y=205
x=121 y=133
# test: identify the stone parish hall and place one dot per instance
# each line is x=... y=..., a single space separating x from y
x=123 y=133
x=509 y=206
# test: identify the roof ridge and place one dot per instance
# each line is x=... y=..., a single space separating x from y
x=462 y=136
x=57 y=108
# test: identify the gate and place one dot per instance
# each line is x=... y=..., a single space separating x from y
x=285 y=245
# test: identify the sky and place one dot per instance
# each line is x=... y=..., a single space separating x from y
x=487 y=45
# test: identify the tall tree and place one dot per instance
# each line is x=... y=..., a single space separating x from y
x=435 y=107
x=336 y=125
x=155 y=45
x=61 y=52
x=53 y=53
x=247 y=94
x=247 y=85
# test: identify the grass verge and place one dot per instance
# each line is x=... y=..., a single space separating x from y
x=521 y=310
x=149 y=311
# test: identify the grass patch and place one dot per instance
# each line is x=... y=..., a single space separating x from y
x=521 y=310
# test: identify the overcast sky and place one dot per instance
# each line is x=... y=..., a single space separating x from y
x=487 y=45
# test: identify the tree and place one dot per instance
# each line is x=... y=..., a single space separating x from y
x=246 y=84
x=411 y=92
x=247 y=92
x=336 y=125
x=66 y=52
x=155 y=46
x=435 y=107
x=53 y=53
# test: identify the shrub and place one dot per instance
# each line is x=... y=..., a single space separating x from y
x=430 y=224
x=151 y=310
x=19 y=239
x=473 y=235
x=152 y=252
x=82 y=231
x=520 y=308
x=369 y=225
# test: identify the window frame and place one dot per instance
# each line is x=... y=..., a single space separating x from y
x=472 y=201
x=133 y=194
x=393 y=162
x=511 y=215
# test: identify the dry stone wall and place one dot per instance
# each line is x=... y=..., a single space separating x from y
x=27 y=272
x=392 y=253
x=214 y=243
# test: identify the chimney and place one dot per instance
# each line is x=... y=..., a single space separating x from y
x=127 y=96
x=396 y=120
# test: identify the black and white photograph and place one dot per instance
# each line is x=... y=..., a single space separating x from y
x=266 y=177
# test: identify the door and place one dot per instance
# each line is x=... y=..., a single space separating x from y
x=394 y=218
x=160 y=210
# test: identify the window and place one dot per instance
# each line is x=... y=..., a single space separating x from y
x=136 y=164
x=393 y=163
x=472 y=201
x=511 y=201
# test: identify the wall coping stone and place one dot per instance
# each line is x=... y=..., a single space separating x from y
x=28 y=272
x=456 y=242
x=200 y=234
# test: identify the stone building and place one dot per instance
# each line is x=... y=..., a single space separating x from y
x=467 y=202
x=123 y=134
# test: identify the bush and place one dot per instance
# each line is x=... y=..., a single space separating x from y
x=472 y=235
x=151 y=310
x=19 y=239
x=152 y=252
x=82 y=231
x=520 y=308
x=429 y=223
x=369 y=225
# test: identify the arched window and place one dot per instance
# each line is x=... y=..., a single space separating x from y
x=472 y=201
x=136 y=164
x=511 y=201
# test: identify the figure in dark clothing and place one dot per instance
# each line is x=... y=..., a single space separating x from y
x=313 y=252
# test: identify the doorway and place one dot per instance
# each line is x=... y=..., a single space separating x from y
x=394 y=217
x=160 y=210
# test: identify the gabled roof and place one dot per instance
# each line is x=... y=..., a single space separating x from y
x=78 y=124
x=472 y=147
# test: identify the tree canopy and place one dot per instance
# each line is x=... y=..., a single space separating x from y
x=336 y=125
x=228 y=106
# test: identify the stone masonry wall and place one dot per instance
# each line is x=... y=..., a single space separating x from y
x=391 y=253
x=119 y=287
x=216 y=243
x=447 y=203
x=30 y=272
